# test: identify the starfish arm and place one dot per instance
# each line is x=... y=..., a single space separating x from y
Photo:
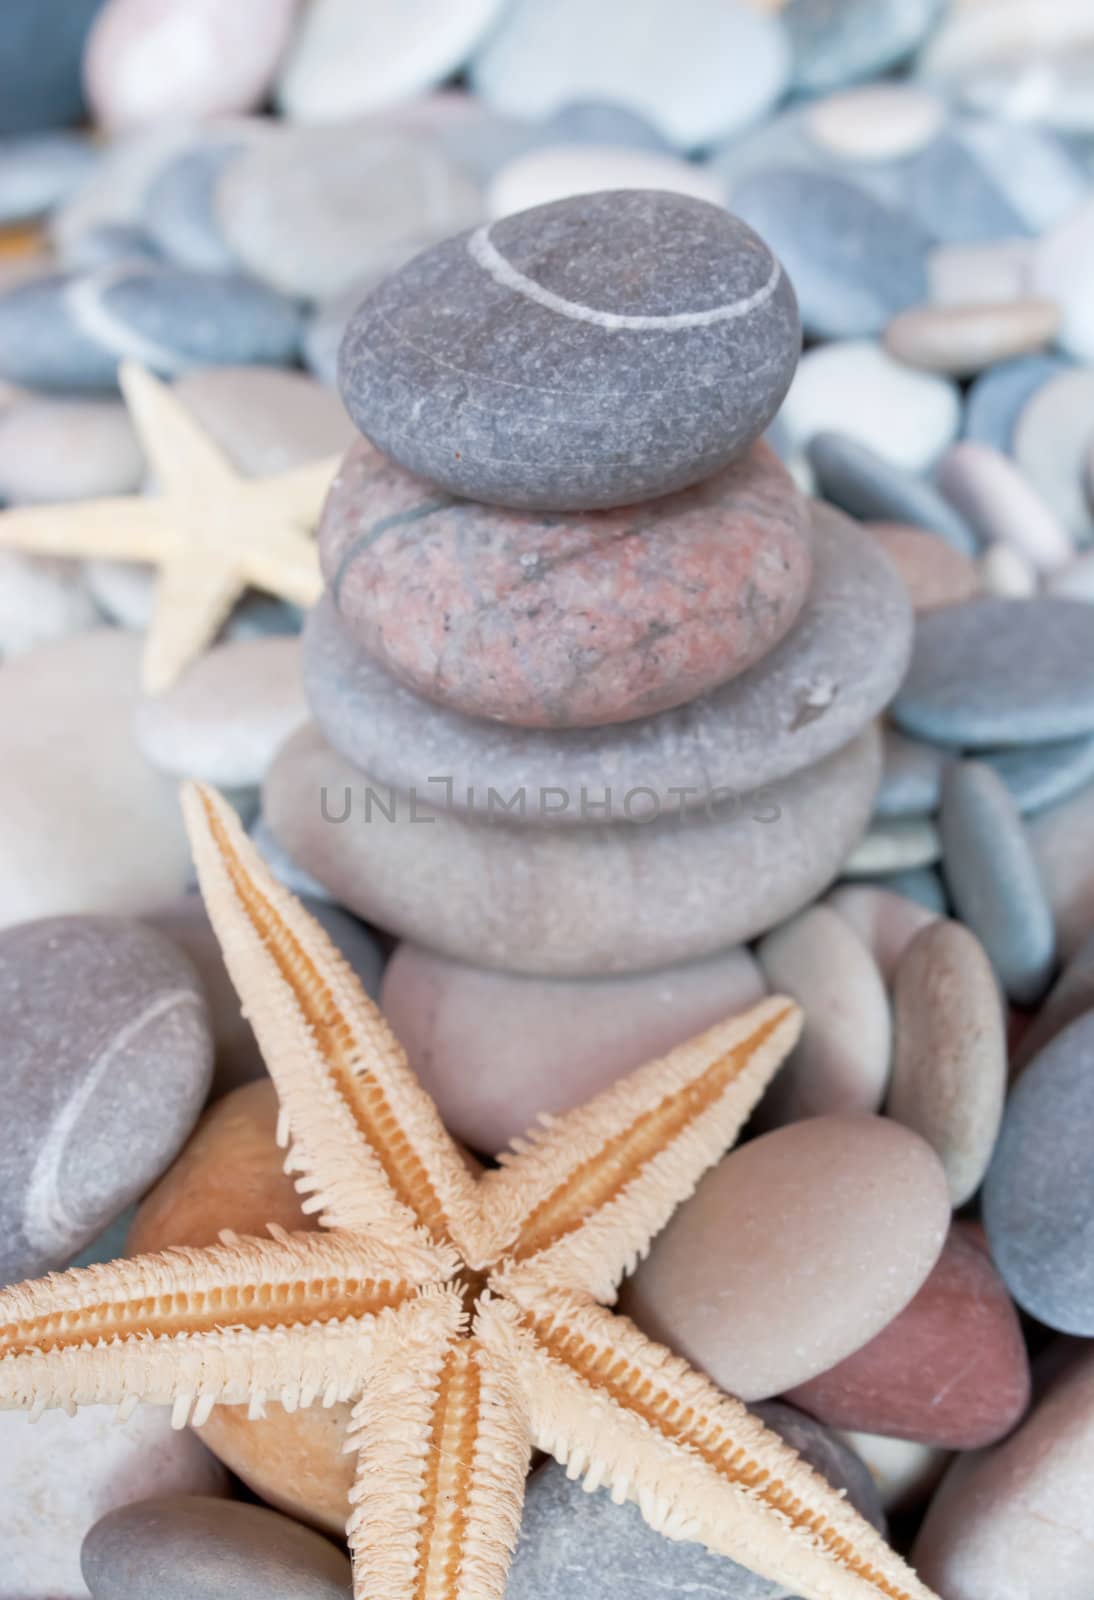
x=367 y=1143
x=624 y=1412
x=124 y=529
x=291 y=1317
x=287 y=566
x=582 y=1198
x=441 y=1432
x=299 y=493
x=179 y=451
x=195 y=593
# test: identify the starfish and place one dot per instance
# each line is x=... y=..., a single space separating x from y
x=211 y=532
x=466 y=1318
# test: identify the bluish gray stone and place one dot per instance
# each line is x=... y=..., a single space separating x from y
x=601 y=122
x=854 y=261
x=41 y=48
x=1039 y=775
x=993 y=879
x=573 y=1543
x=997 y=397
x=950 y=194
x=834 y=42
x=502 y=364
x=1000 y=672
x=43 y=346
x=38 y=171
x=202 y=319
x=1038 y=1200
x=870 y=487
x=179 y=212
x=832 y=674
x=911 y=777
x=194 y=1547
x=921 y=884
x=108 y=1057
x=109 y=244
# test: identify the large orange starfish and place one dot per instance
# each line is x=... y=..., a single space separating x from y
x=465 y=1317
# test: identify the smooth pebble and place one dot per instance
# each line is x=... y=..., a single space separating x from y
x=1052 y=437
x=996 y=399
x=556 y=172
x=896 y=844
x=999 y=503
x=42 y=599
x=995 y=271
x=868 y=485
x=55 y=449
x=885 y=922
x=879 y=121
x=1041 y=775
x=1063 y=844
x=963 y=340
x=41 y=49
x=834 y=45
x=39 y=171
x=1062 y=269
x=912 y=778
x=934 y=573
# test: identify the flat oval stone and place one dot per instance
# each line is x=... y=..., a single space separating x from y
x=1040 y=775
x=995 y=271
x=528 y=67
x=897 y=844
x=53 y=450
x=912 y=778
x=999 y=672
x=994 y=881
x=837 y=45
x=949 y=1370
x=407 y=51
x=518 y=364
x=558 y=621
x=574 y=1542
x=1007 y=574
x=934 y=573
x=997 y=397
x=1051 y=441
x=109 y=1054
x=854 y=261
x=963 y=340
x=495 y=1050
x=185 y=922
x=310 y=211
x=226 y=1551
x=43 y=345
x=566 y=902
x=1015 y=1520
x=949 y=1053
x=856 y=388
x=152 y=60
x=999 y=503
x=225 y=718
x=179 y=207
x=122 y=847
x=885 y=922
x=1038 y=1200
x=841 y=1061
x=821 y=686
x=59 y=1475
x=816 y=1235
x=557 y=172
x=876 y=121
x=870 y=486
x=42 y=599
x=39 y=171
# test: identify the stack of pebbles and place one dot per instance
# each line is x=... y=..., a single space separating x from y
x=594 y=685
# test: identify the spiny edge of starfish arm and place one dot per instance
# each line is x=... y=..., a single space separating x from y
x=621 y=1411
x=581 y=1199
x=116 y=529
x=194 y=595
x=289 y=1318
x=368 y=1148
x=179 y=450
x=442 y=1439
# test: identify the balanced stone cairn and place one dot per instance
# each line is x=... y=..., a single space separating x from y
x=594 y=685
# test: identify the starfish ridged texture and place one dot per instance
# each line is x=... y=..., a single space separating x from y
x=466 y=1318
x=211 y=532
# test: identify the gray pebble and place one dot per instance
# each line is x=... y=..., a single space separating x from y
x=911 y=778
x=998 y=396
x=182 y=319
x=108 y=1056
x=43 y=346
x=574 y=1543
x=833 y=673
x=1000 y=672
x=601 y=122
x=41 y=49
x=39 y=171
x=110 y=244
x=854 y=261
x=1038 y=1201
x=950 y=194
x=492 y=365
x=994 y=881
x=179 y=209
x=835 y=42
x=194 y=1547
x=870 y=487
x=1042 y=774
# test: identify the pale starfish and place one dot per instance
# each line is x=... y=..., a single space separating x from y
x=465 y=1317
x=210 y=531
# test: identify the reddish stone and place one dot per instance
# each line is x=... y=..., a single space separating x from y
x=566 y=619
x=950 y=1370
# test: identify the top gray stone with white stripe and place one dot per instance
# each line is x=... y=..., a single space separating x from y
x=583 y=354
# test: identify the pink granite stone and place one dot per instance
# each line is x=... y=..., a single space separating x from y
x=566 y=620
x=494 y=1049
x=950 y=1370
x=794 y=1252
